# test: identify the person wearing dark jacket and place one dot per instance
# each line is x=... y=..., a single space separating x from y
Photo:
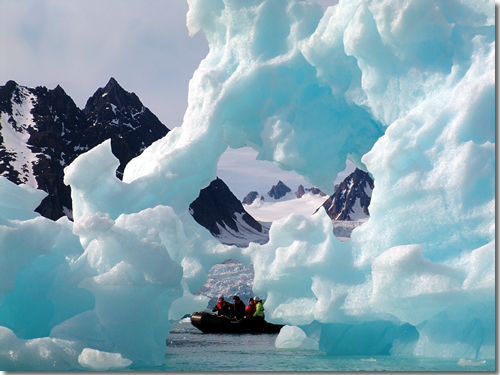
x=223 y=307
x=239 y=308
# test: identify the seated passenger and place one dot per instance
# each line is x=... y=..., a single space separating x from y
x=239 y=308
x=259 y=308
x=250 y=308
x=223 y=307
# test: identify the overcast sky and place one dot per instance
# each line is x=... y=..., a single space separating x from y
x=143 y=44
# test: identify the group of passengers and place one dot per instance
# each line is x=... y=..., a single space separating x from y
x=255 y=308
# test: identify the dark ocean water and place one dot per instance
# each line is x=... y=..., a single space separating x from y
x=188 y=349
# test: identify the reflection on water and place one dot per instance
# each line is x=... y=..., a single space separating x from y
x=188 y=349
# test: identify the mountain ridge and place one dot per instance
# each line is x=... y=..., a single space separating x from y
x=42 y=131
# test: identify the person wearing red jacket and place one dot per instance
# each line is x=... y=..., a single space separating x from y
x=250 y=310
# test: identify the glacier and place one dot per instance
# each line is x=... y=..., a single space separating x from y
x=403 y=89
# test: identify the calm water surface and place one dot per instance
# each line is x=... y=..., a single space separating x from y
x=188 y=349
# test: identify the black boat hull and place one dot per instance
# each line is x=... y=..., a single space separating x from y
x=211 y=323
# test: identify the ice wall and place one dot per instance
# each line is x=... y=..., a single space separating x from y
x=405 y=89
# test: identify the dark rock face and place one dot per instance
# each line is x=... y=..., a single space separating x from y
x=42 y=131
x=356 y=188
x=300 y=191
x=46 y=123
x=279 y=190
x=251 y=197
x=117 y=114
x=314 y=190
x=216 y=204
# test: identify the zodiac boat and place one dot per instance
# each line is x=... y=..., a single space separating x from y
x=212 y=323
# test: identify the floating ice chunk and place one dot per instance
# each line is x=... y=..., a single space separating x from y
x=291 y=337
x=469 y=362
x=95 y=360
x=43 y=354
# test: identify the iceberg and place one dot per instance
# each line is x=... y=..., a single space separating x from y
x=292 y=337
x=404 y=90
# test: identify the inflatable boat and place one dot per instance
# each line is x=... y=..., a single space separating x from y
x=212 y=323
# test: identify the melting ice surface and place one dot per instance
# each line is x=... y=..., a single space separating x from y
x=403 y=89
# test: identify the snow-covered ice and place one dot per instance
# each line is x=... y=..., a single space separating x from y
x=405 y=90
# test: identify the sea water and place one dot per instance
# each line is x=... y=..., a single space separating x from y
x=188 y=349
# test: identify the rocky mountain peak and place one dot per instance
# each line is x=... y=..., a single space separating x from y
x=10 y=86
x=42 y=131
x=351 y=198
x=218 y=210
x=300 y=191
x=122 y=117
x=279 y=190
x=111 y=98
x=251 y=197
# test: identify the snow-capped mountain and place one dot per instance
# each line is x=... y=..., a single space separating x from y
x=42 y=131
x=38 y=138
x=348 y=208
x=351 y=198
x=120 y=115
x=218 y=210
x=281 y=201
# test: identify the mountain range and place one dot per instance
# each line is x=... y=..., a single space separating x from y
x=351 y=198
x=349 y=202
x=42 y=131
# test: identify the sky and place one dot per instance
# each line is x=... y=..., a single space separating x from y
x=144 y=45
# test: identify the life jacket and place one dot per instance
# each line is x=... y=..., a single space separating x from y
x=224 y=309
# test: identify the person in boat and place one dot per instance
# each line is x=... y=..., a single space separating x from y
x=223 y=307
x=239 y=308
x=250 y=309
x=259 y=308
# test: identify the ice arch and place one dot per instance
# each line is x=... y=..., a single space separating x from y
x=410 y=96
